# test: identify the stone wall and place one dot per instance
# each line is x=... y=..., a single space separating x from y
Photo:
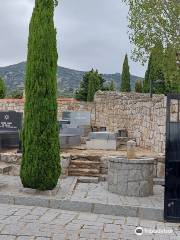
x=64 y=104
x=143 y=117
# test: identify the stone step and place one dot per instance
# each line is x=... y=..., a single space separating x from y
x=85 y=158
x=83 y=179
x=83 y=172
x=85 y=164
x=5 y=168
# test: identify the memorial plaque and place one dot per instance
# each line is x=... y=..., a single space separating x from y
x=10 y=121
x=10 y=125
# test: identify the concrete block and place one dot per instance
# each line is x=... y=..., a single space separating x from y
x=31 y=201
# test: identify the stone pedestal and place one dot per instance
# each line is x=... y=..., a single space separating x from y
x=131 y=177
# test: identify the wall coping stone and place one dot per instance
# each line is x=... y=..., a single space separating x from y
x=132 y=161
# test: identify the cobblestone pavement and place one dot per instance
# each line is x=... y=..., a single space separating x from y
x=36 y=223
x=87 y=192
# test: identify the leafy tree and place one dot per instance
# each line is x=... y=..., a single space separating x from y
x=94 y=85
x=91 y=83
x=2 y=88
x=82 y=92
x=40 y=168
x=138 y=86
x=175 y=82
x=126 y=78
x=18 y=94
x=151 y=21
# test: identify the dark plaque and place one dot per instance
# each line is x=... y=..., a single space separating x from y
x=10 y=125
x=10 y=121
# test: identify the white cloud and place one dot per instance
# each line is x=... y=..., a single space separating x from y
x=91 y=33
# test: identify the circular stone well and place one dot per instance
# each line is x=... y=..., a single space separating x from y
x=131 y=177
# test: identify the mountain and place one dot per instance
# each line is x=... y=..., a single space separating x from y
x=68 y=79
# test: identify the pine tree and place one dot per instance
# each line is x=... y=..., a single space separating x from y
x=138 y=86
x=126 y=78
x=2 y=88
x=40 y=168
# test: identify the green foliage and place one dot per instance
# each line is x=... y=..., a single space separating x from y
x=112 y=86
x=151 y=21
x=91 y=83
x=146 y=83
x=2 y=88
x=171 y=72
x=126 y=78
x=18 y=94
x=82 y=92
x=175 y=82
x=94 y=84
x=40 y=168
x=138 y=86
x=155 y=72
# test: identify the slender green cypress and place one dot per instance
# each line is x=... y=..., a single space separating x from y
x=126 y=78
x=40 y=167
x=146 y=83
x=138 y=86
x=156 y=72
x=2 y=88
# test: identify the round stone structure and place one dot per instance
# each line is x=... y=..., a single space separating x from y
x=131 y=177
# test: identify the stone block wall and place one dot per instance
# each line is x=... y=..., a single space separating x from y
x=143 y=117
x=64 y=104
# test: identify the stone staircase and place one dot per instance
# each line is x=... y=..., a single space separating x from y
x=84 y=166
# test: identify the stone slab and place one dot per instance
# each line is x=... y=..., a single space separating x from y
x=86 y=197
x=88 y=179
x=101 y=144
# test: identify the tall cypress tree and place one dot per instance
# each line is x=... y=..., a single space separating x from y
x=171 y=72
x=40 y=167
x=146 y=83
x=156 y=73
x=138 y=86
x=126 y=78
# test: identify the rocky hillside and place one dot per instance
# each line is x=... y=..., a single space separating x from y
x=68 y=79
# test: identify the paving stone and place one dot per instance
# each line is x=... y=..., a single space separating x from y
x=7 y=237
x=64 y=225
x=25 y=238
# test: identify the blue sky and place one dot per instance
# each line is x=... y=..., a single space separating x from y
x=91 y=33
